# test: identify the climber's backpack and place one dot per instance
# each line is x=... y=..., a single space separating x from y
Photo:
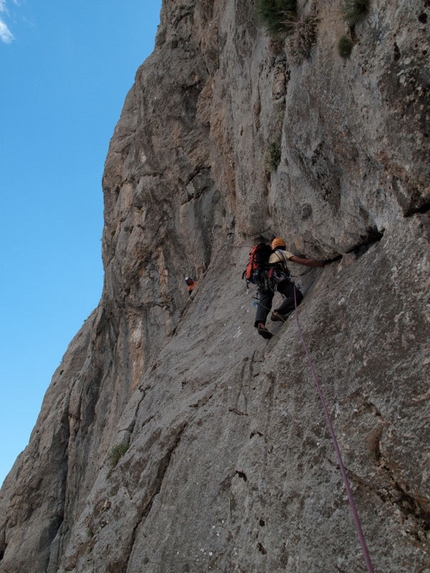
x=258 y=263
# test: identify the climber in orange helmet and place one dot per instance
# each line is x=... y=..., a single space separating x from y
x=280 y=281
x=191 y=284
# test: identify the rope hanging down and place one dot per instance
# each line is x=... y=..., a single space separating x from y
x=336 y=447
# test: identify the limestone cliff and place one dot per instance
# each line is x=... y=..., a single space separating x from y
x=172 y=438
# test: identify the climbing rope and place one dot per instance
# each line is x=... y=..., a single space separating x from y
x=336 y=447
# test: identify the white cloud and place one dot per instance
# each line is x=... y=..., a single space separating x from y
x=6 y=35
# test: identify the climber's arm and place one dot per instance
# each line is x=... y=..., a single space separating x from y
x=306 y=262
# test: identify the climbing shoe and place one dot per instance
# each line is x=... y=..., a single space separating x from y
x=278 y=317
x=262 y=331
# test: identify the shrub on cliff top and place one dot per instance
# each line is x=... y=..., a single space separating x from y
x=354 y=11
x=277 y=15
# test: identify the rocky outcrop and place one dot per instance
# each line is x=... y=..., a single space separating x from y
x=172 y=438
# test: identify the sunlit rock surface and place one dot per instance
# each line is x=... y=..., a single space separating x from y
x=172 y=438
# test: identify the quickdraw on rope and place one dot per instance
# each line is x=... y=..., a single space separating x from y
x=336 y=447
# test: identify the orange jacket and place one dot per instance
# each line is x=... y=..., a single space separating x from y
x=191 y=287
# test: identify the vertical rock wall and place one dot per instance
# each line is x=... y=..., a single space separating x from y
x=172 y=438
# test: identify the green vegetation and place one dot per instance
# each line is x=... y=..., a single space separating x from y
x=273 y=156
x=116 y=453
x=354 y=11
x=277 y=15
x=303 y=37
x=345 y=46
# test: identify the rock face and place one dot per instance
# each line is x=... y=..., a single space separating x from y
x=172 y=438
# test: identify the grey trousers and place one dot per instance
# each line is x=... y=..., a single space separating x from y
x=285 y=287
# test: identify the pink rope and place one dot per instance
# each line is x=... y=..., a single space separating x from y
x=336 y=447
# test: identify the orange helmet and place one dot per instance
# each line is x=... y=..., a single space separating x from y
x=278 y=242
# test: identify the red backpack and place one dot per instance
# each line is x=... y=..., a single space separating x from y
x=258 y=263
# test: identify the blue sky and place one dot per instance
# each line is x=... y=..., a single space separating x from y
x=65 y=69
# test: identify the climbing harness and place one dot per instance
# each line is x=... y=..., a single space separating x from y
x=336 y=447
x=269 y=280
